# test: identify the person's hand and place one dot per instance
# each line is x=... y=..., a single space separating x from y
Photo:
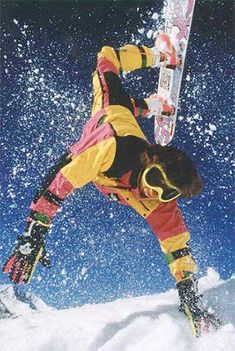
x=201 y=320
x=27 y=253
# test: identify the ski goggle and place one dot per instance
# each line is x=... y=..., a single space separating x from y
x=156 y=179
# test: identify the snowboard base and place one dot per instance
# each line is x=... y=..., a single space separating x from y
x=179 y=16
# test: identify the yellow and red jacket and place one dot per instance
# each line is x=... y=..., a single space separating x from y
x=108 y=155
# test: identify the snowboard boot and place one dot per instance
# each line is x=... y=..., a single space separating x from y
x=164 y=52
x=158 y=106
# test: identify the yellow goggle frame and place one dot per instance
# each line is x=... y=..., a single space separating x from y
x=159 y=189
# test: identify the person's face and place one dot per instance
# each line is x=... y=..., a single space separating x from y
x=154 y=185
x=146 y=191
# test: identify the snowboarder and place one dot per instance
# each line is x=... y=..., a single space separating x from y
x=114 y=153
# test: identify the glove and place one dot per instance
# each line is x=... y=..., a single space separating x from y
x=191 y=305
x=158 y=106
x=27 y=253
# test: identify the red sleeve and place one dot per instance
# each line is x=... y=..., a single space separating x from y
x=52 y=197
x=52 y=192
x=166 y=221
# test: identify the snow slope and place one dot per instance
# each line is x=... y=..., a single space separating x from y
x=146 y=323
x=14 y=302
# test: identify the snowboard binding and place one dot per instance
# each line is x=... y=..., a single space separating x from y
x=169 y=57
x=158 y=106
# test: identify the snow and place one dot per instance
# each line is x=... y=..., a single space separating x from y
x=94 y=321
x=18 y=303
x=132 y=324
x=188 y=77
x=212 y=127
x=150 y=33
x=155 y=16
x=141 y=30
x=212 y=279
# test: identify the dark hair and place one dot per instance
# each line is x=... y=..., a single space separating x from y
x=180 y=169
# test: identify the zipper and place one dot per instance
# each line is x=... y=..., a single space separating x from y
x=144 y=205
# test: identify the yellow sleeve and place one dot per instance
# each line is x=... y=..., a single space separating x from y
x=86 y=166
x=128 y=57
x=182 y=264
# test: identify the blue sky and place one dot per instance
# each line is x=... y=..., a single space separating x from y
x=101 y=250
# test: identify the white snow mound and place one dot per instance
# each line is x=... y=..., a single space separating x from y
x=14 y=302
x=146 y=323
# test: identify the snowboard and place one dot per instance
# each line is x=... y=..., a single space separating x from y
x=178 y=21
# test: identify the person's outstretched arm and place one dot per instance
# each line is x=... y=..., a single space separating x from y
x=169 y=227
x=168 y=224
x=70 y=172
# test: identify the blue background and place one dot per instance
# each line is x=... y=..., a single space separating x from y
x=102 y=250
